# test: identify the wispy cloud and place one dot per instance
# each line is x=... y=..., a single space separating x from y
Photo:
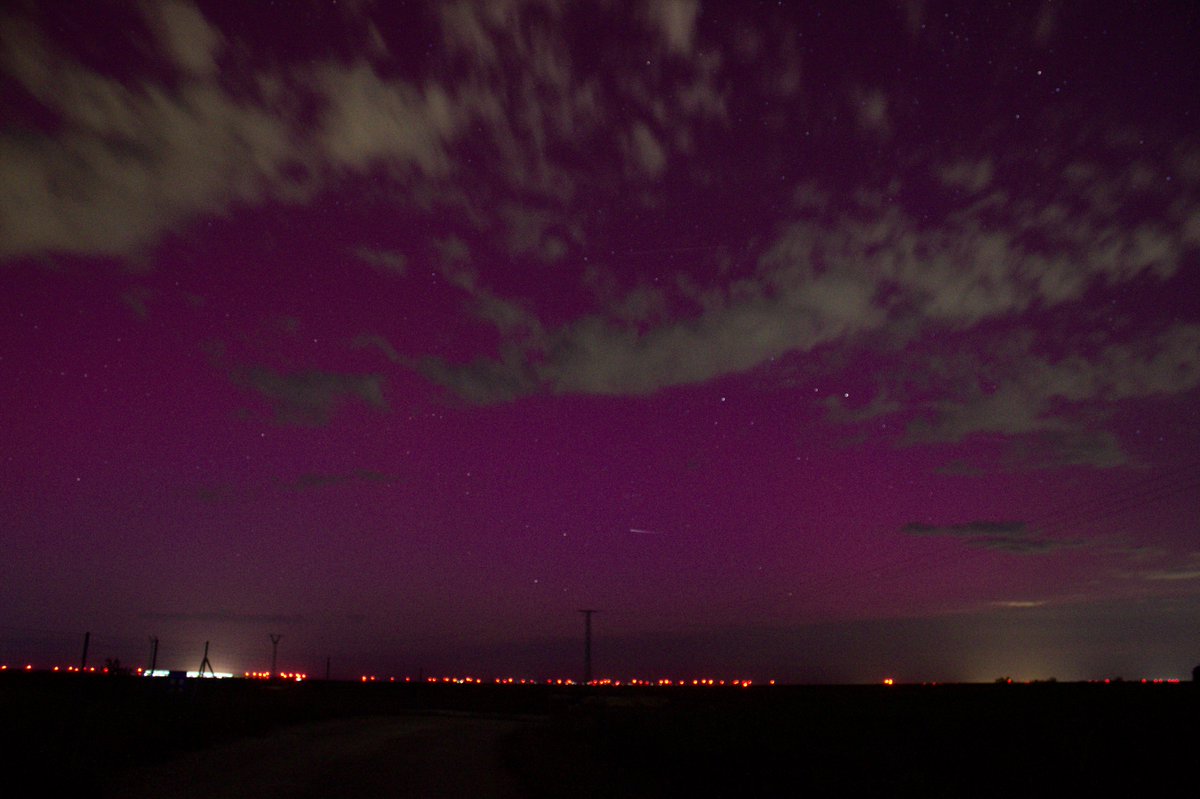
x=379 y=343
x=1032 y=396
x=874 y=270
x=1171 y=576
x=1008 y=536
x=130 y=163
x=675 y=20
x=972 y=176
x=1188 y=569
x=389 y=261
x=506 y=137
x=309 y=397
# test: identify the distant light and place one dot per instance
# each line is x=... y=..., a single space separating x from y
x=219 y=675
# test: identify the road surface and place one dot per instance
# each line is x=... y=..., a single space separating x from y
x=407 y=756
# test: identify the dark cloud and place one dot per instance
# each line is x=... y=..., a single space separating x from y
x=483 y=381
x=1009 y=536
x=969 y=529
x=310 y=397
x=1053 y=449
x=308 y=481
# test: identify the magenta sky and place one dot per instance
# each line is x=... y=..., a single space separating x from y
x=805 y=343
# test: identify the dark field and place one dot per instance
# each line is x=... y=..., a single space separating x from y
x=132 y=737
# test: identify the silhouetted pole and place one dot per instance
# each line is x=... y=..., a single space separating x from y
x=274 y=651
x=153 y=653
x=587 y=645
x=87 y=637
x=204 y=664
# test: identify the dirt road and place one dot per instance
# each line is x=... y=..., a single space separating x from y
x=408 y=756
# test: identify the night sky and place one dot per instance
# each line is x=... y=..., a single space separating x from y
x=807 y=341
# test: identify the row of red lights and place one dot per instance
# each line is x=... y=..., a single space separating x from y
x=301 y=676
x=293 y=676
x=66 y=670
x=528 y=681
x=636 y=682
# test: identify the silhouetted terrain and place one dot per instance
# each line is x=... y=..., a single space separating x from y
x=122 y=735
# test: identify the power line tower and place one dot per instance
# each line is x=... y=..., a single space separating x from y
x=204 y=664
x=274 y=651
x=587 y=644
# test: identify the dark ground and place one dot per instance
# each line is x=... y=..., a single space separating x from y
x=132 y=737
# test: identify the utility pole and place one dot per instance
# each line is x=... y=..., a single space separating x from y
x=587 y=645
x=153 y=654
x=87 y=637
x=204 y=664
x=274 y=651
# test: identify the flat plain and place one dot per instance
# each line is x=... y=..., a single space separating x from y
x=130 y=737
